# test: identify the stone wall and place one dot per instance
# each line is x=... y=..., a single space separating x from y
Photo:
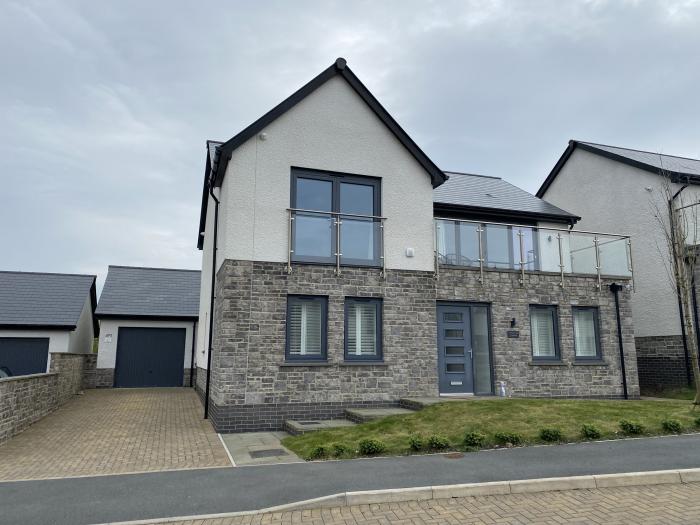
x=26 y=399
x=104 y=377
x=90 y=371
x=661 y=362
x=512 y=357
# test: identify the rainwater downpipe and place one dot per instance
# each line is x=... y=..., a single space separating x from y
x=686 y=354
x=615 y=289
x=211 y=303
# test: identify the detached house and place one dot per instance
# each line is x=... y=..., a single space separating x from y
x=342 y=268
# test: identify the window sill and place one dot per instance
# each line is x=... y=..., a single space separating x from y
x=544 y=362
x=303 y=364
x=590 y=362
x=363 y=363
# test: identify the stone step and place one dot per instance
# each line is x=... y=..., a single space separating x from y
x=361 y=415
x=296 y=427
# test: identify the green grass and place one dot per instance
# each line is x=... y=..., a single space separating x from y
x=489 y=416
x=675 y=393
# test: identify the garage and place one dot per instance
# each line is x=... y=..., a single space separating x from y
x=150 y=357
x=23 y=355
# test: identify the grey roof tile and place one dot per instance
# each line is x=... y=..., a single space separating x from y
x=42 y=299
x=158 y=292
x=655 y=160
x=480 y=191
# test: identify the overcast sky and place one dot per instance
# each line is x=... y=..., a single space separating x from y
x=105 y=106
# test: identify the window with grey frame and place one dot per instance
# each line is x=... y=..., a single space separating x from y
x=307 y=328
x=586 y=333
x=319 y=199
x=363 y=329
x=544 y=333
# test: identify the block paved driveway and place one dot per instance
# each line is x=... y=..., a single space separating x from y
x=114 y=431
x=646 y=505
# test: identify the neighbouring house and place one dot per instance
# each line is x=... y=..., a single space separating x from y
x=43 y=314
x=615 y=188
x=148 y=326
x=348 y=271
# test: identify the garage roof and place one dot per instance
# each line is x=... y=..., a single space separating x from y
x=153 y=293
x=43 y=300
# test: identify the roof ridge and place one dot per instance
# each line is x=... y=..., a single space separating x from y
x=637 y=150
x=50 y=273
x=471 y=174
x=153 y=268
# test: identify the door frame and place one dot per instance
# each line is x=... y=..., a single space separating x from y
x=489 y=327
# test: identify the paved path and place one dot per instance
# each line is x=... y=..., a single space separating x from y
x=114 y=431
x=186 y=493
x=657 y=504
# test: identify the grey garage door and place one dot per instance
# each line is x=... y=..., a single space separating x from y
x=149 y=357
x=24 y=355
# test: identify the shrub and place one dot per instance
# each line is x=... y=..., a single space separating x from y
x=370 y=447
x=505 y=438
x=590 y=432
x=631 y=427
x=340 y=450
x=436 y=442
x=551 y=434
x=697 y=422
x=474 y=440
x=415 y=442
x=318 y=452
x=672 y=425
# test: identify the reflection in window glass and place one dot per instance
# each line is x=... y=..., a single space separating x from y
x=357 y=239
x=357 y=199
x=480 y=349
x=585 y=332
x=454 y=350
x=454 y=334
x=313 y=235
x=468 y=244
x=313 y=194
x=455 y=367
x=447 y=242
x=543 y=332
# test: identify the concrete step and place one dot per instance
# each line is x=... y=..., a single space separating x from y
x=309 y=425
x=361 y=415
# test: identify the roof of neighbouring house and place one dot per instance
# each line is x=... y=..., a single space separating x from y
x=43 y=300
x=154 y=293
x=480 y=193
x=680 y=169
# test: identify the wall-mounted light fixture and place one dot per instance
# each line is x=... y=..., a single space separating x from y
x=513 y=322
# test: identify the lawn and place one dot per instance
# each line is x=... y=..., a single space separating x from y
x=526 y=417
x=675 y=393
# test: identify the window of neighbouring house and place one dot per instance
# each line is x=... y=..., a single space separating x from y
x=586 y=335
x=306 y=327
x=363 y=329
x=543 y=329
x=319 y=199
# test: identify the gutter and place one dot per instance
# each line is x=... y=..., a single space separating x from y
x=686 y=354
x=615 y=289
x=211 y=303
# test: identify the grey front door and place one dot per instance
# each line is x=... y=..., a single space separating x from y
x=454 y=350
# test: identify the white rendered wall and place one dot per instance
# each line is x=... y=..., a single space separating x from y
x=81 y=338
x=612 y=197
x=205 y=285
x=332 y=129
x=58 y=339
x=109 y=336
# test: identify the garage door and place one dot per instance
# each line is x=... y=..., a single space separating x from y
x=149 y=357
x=24 y=355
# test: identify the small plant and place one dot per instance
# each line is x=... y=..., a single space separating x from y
x=508 y=438
x=631 y=427
x=318 y=452
x=474 y=440
x=697 y=422
x=672 y=425
x=590 y=432
x=415 y=442
x=340 y=450
x=371 y=447
x=551 y=434
x=436 y=442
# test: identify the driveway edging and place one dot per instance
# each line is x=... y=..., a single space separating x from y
x=344 y=499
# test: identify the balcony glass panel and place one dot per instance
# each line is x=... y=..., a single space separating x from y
x=313 y=237
x=498 y=246
x=359 y=240
x=468 y=244
x=458 y=243
x=613 y=256
x=582 y=253
x=530 y=256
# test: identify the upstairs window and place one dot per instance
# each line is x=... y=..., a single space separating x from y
x=322 y=198
x=363 y=329
x=543 y=329
x=306 y=328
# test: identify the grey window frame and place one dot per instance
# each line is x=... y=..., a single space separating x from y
x=554 y=312
x=323 y=300
x=336 y=178
x=379 y=332
x=596 y=328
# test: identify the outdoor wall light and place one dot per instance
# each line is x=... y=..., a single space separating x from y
x=513 y=322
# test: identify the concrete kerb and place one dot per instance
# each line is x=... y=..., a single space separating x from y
x=492 y=488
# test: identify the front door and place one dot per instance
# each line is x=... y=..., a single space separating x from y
x=455 y=366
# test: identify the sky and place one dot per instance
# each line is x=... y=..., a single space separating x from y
x=105 y=106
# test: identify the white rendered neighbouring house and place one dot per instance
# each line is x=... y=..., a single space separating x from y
x=348 y=270
x=621 y=188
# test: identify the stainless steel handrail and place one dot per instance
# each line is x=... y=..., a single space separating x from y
x=336 y=213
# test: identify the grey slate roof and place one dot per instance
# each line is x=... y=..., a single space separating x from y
x=493 y=193
x=43 y=299
x=655 y=160
x=150 y=292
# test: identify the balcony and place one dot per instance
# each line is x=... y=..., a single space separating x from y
x=493 y=246
x=341 y=239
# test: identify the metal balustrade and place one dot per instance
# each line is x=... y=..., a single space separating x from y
x=485 y=245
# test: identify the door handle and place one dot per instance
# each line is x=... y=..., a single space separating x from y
x=470 y=354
